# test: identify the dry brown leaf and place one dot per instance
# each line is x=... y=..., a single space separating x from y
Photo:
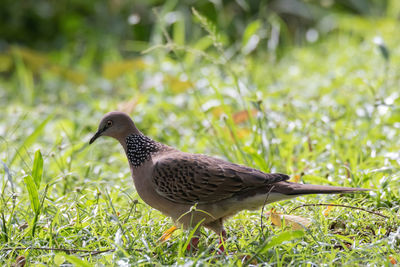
x=392 y=260
x=23 y=226
x=247 y=258
x=19 y=261
x=293 y=221
x=243 y=116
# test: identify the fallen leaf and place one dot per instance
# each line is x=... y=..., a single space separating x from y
x=293 y=221
x=243 y=116
x=167 y=234
x=19 y=261
x=295 y=179
x=392 y=260
x=23 y=226
x=246 y=258
x=327 y=210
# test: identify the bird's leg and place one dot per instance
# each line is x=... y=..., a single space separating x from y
x=222 y=238
x=218 y=227
x=193 y=243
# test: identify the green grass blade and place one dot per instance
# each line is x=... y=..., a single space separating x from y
x=31 y=138
x=282 y=237
x=37 y=171
x=4 y=232
x=33 y=193
x=77 y=262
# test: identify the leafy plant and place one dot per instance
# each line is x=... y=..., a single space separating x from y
x=32 y=183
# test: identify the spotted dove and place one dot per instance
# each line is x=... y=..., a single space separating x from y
x=173 y=181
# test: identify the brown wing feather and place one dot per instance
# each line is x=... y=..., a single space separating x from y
x=194 y=178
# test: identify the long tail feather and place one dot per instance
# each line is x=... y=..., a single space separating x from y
x=289 y=188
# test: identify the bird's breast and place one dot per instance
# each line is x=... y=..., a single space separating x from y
x=145 y=189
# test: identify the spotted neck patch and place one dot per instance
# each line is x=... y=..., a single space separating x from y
x=140 y=148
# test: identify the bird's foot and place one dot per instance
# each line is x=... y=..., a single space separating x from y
x=193 y=244
x=221 y=247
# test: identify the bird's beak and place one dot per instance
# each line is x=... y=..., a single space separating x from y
x=95 y=136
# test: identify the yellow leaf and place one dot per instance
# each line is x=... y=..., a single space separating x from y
x=167 y=234
x=295 y=179
x=74 y=76
x=243 y=133
x=217 y=111
x=114 y=70
x=36 y=61
x=177 y=85
x=70 y=75
x=327 y=210
x=33 y=59
x=294 y=222
x=276 y=219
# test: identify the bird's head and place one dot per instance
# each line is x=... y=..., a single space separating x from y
x=117 y=125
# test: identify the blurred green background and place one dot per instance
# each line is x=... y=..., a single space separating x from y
x=46 y=25
x=71 y=39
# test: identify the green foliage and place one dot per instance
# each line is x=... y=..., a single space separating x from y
x=37 y=171
x=33 y=193
x=32 y=184
x=280 y=239
x=30 y=139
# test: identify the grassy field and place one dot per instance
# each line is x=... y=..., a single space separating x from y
x=325 y=113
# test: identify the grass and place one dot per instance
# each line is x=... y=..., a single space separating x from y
x=327 y=113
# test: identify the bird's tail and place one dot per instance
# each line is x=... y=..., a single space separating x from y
x=289 y=188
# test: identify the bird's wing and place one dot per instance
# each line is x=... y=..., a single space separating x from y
x=194 y=178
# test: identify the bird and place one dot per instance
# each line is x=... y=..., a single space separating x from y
x=197 y=190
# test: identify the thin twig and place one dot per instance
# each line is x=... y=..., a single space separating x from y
x=262 y=211
x=338 y=205
x=66 y=250
x=54 y=249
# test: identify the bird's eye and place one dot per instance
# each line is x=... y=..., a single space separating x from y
x=109 y=124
